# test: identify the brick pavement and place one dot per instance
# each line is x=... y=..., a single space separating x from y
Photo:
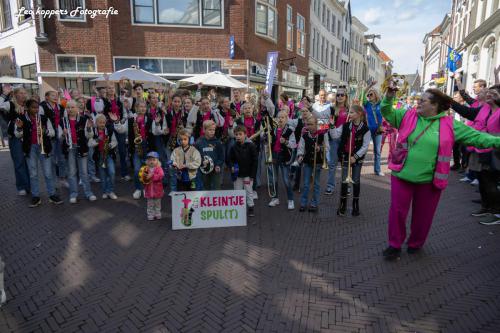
x=102 y=267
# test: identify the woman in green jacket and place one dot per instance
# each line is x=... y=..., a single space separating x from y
x=421 y=163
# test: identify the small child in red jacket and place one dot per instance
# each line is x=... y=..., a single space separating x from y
x=152 y=178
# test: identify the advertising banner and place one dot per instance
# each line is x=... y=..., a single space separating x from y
x=208 y=209
x=272 y=60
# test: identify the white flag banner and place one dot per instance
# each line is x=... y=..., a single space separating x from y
x=208 y=209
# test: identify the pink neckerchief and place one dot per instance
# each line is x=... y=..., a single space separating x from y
x=101 y=134
x=141 y=123
x=249 y=124
x=204 y=117
x=176 y=117
x=354 y=128
x=115 y=109
x=34 y=130
x=342 y=118
x=277 y=143
x=72 y=125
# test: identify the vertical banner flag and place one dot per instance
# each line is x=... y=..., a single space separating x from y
x=208 y=209
x=272 y=60
x=453 y=58
x=231 y=47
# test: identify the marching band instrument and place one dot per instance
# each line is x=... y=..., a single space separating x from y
x=69 y=139
x=256 y=134
x=137 y=139
x=208 y=167
x=143 y=172
x=270 y=174
x=348 y=179
x=105 y=152
x=313 y=174
x=172 y=140
x=39 y=132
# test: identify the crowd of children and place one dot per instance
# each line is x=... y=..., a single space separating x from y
x=186 y=143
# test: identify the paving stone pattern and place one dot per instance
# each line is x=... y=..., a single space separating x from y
x=101 y=267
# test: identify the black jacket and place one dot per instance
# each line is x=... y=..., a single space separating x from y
x=285 y=153
x=309 y=143
x=47 y=145
x=247 y=158
x=51 y=114
x=359 y=137
x=81 y=141
x=256 y=127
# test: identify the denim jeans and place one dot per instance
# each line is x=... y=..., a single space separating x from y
x=377 y=144
x=122 y=152
x=35 y=158
x=77 y=163
x=91 y=166
x=107 y=176
x=137 y=166
x=20 y=166
x=260 y=163
x=356 y=178
x=307 y=172
x=58 y=160
x=333 y=158
x=285 y=171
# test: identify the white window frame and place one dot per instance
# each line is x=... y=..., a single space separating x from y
x=76 y=63
x=270 y=6
x=82 y=20
x=301 y=33
x=289 y=24
x=19 y=5
x=2 y=27
x=191 y=26
x=168 y=58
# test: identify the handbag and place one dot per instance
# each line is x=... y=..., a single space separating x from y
x=399 y=153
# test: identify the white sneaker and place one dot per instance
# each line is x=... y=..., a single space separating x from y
x=22 y=193
x=72 y=200
x=112 y=195
x=80 y=183
x=255 y=195
x=465 y=180
x=291 y=205
x=137 y=194
x=95 y=180
x=3 y=297
x=105 y=196
x=92 y=198
x=126 y=178
x=381 y=174
x=474 y=182
x=171 y=194
x=274 y=202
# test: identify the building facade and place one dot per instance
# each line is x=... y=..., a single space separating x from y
x=346 y=44
x=475 y=34
x=18 y=50
x=326 y=45
x=358 y=51
x=175 y=39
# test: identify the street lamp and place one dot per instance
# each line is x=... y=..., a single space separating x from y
x=291 y=68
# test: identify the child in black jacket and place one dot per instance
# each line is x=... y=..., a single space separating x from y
x=243 y=159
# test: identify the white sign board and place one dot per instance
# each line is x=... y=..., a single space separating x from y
x=208 y=209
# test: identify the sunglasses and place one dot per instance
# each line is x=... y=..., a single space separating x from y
x=370 y=95
x=340 y=95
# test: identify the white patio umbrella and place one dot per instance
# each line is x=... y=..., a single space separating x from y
x=216 y=79
x=134 y=74
x=15 y=80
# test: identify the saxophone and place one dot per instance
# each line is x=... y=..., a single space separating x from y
x=137 y=140
x=172 y=140
x=105 y=152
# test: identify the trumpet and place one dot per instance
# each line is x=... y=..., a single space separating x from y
x=39 y=132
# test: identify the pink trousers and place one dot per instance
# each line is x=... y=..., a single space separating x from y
x=425 y=198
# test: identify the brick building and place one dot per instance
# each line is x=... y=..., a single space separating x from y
x=174 y=39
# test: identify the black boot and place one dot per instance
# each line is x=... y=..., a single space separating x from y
x=342 y=207
x=355 y=206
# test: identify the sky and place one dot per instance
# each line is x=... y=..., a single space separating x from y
x=402 y=25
